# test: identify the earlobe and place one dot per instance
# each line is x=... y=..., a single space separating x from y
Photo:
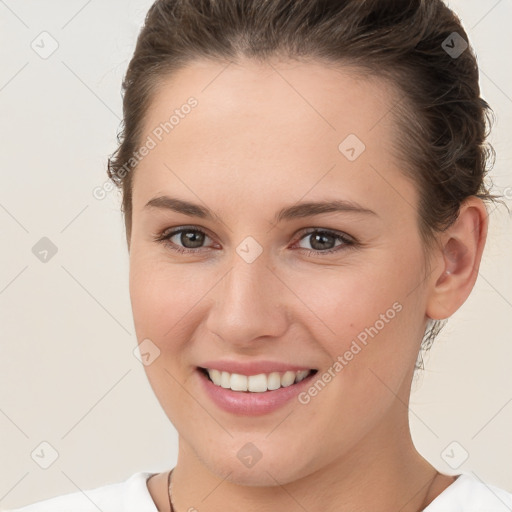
x=462 y=247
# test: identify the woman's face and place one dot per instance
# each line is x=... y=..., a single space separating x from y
x=277 y=281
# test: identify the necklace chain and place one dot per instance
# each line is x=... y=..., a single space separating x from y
x=424 y=504
x=169 y=486
x=171 y=507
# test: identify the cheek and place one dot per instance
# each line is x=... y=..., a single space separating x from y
x=366 y=318
x=169 y=304
x=163 y=298
x=342 y=302
x=162 y=295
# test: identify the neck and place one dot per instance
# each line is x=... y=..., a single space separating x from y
x=382 y=472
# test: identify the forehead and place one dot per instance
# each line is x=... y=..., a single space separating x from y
x=284 y=121
x=308 y=98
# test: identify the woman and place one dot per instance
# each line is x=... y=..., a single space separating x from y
x=304 y=204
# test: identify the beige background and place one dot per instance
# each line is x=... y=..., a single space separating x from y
x=68 y=374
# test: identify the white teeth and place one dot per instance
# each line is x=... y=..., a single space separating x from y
x=216 y=377
x=274 y=381
x=238 y=382
x=288 y=379
x=301 y=375
x=256 y=383
x=225 y=379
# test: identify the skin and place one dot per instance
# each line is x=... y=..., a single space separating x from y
x=262 y=137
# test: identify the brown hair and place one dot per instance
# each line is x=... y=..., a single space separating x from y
x=442 y=120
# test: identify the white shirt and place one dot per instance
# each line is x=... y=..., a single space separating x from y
x=465 y=494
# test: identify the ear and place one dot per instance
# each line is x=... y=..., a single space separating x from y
x=460 y=253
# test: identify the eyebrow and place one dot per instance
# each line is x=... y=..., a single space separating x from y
x=295 y=211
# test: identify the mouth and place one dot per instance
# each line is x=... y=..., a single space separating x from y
x=260 y=383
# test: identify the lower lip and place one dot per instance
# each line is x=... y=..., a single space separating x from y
x=251 y=404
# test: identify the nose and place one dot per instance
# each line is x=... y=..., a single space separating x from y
x=249 y=304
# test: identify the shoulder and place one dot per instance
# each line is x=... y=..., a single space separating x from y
x=469 y=494
x=131 y=495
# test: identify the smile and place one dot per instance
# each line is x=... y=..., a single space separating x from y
x=255 y=383
x=253 y=395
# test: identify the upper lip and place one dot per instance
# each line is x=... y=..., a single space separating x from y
x=253 y=367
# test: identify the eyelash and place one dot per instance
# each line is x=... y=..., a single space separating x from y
x=348 y=242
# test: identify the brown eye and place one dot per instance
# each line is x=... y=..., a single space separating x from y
x=324 y=241
x=190 y=239
x=183 y=239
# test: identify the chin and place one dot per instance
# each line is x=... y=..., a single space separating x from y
x=250 y=466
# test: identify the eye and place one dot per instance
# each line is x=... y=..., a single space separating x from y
x=183 y=240
x=322 y=241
